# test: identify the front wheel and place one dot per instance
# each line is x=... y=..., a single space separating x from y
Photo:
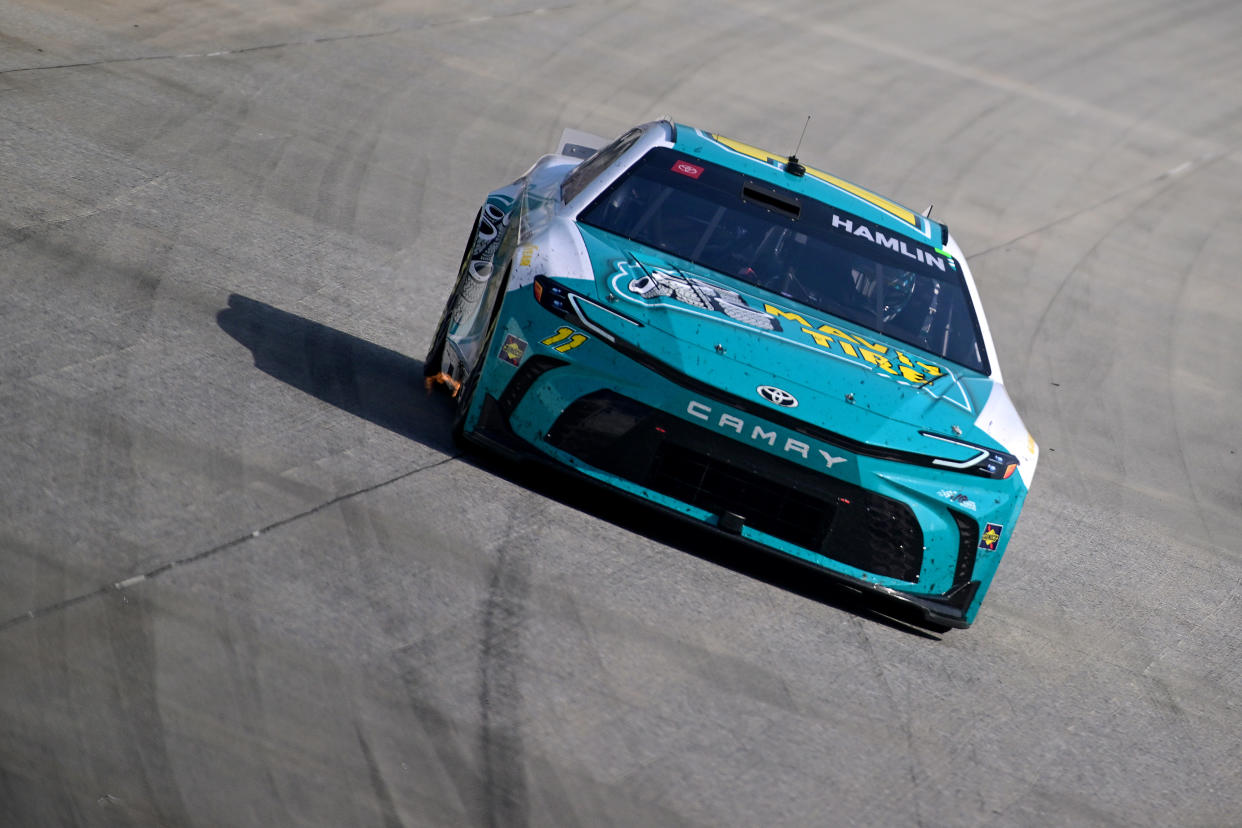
x=465 y=393
x=435 y=354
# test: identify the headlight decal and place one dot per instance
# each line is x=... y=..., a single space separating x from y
x=570 y=305
x=992 y=463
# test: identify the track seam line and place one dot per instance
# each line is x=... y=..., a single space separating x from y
x=435 y=24
x=122 y=585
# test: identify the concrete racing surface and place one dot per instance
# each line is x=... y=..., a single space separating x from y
x=247 y=579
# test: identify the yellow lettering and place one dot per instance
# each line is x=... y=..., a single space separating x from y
x=878 y=347
x=931 y=369
x=912 y=375
x=843 y=339
x=879 y=361
x=820 y=339
x=837 y=332
x=792 y=317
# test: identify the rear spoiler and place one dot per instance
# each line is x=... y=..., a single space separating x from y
x=578 y=144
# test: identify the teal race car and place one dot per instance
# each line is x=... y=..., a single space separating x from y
x=752 y=344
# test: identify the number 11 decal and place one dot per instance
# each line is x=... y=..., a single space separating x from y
x=565 y=339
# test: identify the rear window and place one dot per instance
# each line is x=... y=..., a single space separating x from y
x=798 y=248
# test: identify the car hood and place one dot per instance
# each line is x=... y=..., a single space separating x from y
x=741 y=339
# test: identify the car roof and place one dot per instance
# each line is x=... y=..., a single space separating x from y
x=816 y=184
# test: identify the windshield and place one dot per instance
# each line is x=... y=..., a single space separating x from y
x=791 y=245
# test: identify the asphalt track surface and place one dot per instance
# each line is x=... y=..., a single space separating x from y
x=247 y=579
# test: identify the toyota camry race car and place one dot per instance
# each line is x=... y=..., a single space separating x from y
x=750 y=343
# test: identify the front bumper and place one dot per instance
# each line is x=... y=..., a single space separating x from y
x=952 y=609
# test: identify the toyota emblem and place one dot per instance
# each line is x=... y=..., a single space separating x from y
x=777 y=396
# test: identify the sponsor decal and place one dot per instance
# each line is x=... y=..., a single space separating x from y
x=757 y=433
x=512 y=350
x=891 y=241
x=528 y=253
x=777 y=396
x=959 y=499
x=991 y=536
x=688 y=169
x=656 y=284
x=874 y=354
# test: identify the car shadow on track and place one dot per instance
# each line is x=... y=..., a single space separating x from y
x=385 y=388
x=369 y=381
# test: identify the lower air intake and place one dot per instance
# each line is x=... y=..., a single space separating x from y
x=720 y=475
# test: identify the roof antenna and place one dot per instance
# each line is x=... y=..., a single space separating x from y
x=792 y=166
x=927 y=212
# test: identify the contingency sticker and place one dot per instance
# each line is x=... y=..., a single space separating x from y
x=991 y=536
x=512 y=350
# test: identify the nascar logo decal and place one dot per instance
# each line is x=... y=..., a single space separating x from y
x=777 y=396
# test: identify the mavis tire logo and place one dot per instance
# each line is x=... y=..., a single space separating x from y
x=777 y=396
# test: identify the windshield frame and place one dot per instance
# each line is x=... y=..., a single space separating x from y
x=886 y=265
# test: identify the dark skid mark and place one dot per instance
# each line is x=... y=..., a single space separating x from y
x=382 y=794
x=442 y=734
x=134 y=699
x=357 y=376
x=500 y=692
x=310 y=41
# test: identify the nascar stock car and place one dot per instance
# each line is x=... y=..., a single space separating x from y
x=748 y=342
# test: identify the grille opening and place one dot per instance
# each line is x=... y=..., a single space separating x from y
x=719 y=488
x=968 y=542
x=720 y=475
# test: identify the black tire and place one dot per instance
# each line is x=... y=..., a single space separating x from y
x=464 y=395
x=435 y=354
x=466 y=392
